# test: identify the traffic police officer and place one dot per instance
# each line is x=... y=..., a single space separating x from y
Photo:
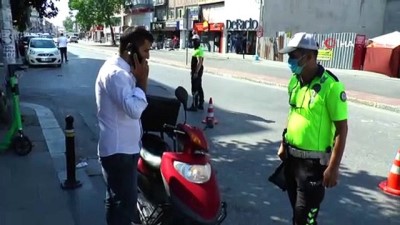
x=196 y=75
x=314 y=140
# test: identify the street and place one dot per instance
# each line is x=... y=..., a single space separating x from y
x=243 y=145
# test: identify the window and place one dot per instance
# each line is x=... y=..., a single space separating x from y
x=42 y=44
x=171 y=14
x=141 y=2
x=159 y=2
x=180 y=13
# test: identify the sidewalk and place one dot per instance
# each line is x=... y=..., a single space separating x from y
x=31 y=192
x=31 y=185
x=363 y=87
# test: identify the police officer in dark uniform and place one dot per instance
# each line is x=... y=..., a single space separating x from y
x=315 y=137
x=196 y=74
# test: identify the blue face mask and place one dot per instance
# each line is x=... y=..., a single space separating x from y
x=294 y=65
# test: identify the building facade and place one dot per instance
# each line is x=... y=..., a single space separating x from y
x=219 y=23
x=158 y=25
x=211 y=25
x=369 y=17
x=139 y=13
x=241 y=26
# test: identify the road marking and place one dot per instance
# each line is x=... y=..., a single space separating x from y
x=55 y=140
x=52 y=131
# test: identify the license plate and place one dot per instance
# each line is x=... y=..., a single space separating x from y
x=46 y=60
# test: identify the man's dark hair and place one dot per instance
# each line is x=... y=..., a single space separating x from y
x=136 y=35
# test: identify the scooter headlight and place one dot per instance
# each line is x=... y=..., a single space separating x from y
x=194 y=173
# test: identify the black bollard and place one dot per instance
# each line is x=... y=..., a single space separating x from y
x=70 y=182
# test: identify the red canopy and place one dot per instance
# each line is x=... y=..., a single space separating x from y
x=383 y=55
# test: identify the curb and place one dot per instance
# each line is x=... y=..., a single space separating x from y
x=274 y=81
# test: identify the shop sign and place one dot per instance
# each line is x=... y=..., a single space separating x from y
x=325 y=54
x=239 y=24
x=205 y=25
x=157 y=26
x=331 y=43
x=171 y=24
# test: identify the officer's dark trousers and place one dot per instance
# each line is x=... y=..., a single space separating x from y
x=120 y=175
x=305 y=190
x=197 y=89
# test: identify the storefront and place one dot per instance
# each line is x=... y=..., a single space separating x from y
x=211 y=25
x=242 y=35
x=164 y=33
x=211 y=35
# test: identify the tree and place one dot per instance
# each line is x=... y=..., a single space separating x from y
x=68 y=24
x=95 y=12
x=86 y=15
x=21 y=10
x=105 y=15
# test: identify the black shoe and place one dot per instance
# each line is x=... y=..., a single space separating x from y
x=192 y=109
x=200 y=107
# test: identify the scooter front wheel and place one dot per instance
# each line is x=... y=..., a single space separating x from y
x=22 y=145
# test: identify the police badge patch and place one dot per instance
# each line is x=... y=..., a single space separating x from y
x=343 y=96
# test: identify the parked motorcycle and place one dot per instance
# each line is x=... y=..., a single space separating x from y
x=177 y=186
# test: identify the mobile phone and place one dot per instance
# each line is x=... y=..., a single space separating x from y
x=132 y=49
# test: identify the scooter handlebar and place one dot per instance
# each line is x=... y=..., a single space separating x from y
x=172 y=129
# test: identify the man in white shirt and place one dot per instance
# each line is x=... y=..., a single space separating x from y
x=62 y=45
x=120 y=97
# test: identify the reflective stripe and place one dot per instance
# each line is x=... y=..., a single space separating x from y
x=69 y=133
x=395 y=169
x=307 y=154
x=398 y=156
x=311 y=216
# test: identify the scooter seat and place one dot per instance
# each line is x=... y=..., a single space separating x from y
x=153 y=148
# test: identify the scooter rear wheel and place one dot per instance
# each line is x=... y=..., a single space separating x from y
x=22 y=145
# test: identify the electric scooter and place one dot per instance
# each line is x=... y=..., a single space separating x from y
x=15 y=137
x=177 y=186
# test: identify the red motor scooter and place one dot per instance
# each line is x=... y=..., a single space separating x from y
x=177 y=186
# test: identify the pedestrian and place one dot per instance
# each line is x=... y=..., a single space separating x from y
x=120 y=97
x=62 y=45
x=314 y=140
x=196 y=74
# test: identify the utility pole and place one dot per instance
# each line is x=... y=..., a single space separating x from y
x=260 y=23
x=187 y=34
x=7 y=34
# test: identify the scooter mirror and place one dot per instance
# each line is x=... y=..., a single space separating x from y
x=182 y=95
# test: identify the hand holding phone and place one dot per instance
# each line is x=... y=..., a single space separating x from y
x=139 y=66
x=140 y=71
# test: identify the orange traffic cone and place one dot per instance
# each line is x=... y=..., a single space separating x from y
x=210 y=120
x=392 y=184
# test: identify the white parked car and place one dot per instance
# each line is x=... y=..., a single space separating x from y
x=43 y=51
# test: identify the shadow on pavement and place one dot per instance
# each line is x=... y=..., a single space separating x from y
x=243 y=166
